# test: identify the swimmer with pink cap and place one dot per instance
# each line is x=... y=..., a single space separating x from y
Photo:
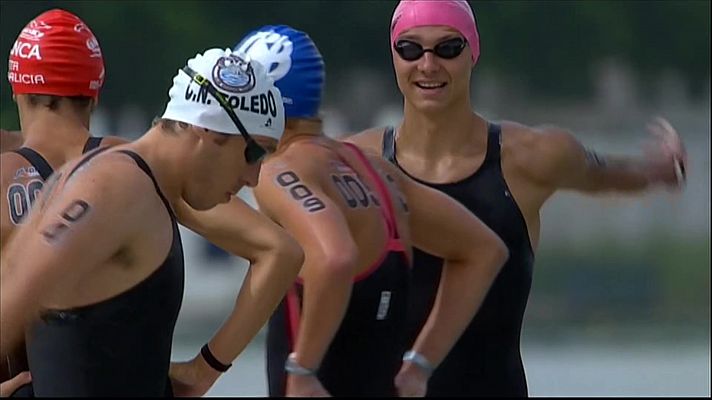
x=456 y=14
x=503 y=172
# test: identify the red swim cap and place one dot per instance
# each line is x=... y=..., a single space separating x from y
x=56 y=54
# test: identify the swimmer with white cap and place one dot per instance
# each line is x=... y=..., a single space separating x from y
x=102 y=264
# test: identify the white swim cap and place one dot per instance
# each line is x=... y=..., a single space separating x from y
x=245 y=86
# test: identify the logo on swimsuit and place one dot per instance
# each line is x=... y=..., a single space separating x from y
x=384 y=305
x=233 y=74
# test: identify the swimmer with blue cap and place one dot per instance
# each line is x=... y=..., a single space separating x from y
x=357 y=218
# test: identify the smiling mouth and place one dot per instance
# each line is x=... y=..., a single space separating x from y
x=430 y=85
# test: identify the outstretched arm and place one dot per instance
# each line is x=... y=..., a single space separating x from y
x=473 y=255
x=275 y=259
x=561 y=162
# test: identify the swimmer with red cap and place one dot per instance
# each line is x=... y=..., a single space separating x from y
x=503 y=172
x=56 y=70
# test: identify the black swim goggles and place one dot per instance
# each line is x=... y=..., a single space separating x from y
x=253 y=151
x=448 y=49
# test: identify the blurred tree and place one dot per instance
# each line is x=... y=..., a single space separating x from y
x=550 y=46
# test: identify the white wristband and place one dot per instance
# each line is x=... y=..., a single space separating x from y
x=293 y=367
x=419 y=360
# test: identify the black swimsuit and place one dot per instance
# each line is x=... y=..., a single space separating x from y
x=365 y=354
x=486 y=360
x=120 y=346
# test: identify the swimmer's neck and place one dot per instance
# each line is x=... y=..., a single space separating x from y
x=300 y=128
x=433 y=135
x=45 y=129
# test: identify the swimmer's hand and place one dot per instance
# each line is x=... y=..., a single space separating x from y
x=411 y=381
x=192 y=378
x=666 y=155
x=10 y=386
x=305 y=386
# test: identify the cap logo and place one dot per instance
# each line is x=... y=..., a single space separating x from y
x=34 y=30
x=26 y=50
x=273 y=50
x=93 y=46
x=233 y=74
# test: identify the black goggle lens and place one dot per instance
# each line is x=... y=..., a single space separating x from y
x=448 y=49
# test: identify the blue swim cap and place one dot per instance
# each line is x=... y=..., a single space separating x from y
x=292 y=59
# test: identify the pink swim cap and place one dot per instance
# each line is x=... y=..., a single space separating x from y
x=456 y=14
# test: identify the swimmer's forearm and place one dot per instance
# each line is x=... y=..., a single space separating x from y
x=14 y=308
x=327 y=291
x=607 y=173
x=263 y=288
x=463 y=287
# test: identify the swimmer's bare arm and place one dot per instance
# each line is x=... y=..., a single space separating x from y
x=330 y=252
x=275 y=259
x=9 y=164
x=473 y=255
x=558 y=161
x=70 y=233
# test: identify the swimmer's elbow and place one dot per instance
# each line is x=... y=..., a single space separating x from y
x=288 y=252
x=492 y=253
x=335 y=263
x=501 y=254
